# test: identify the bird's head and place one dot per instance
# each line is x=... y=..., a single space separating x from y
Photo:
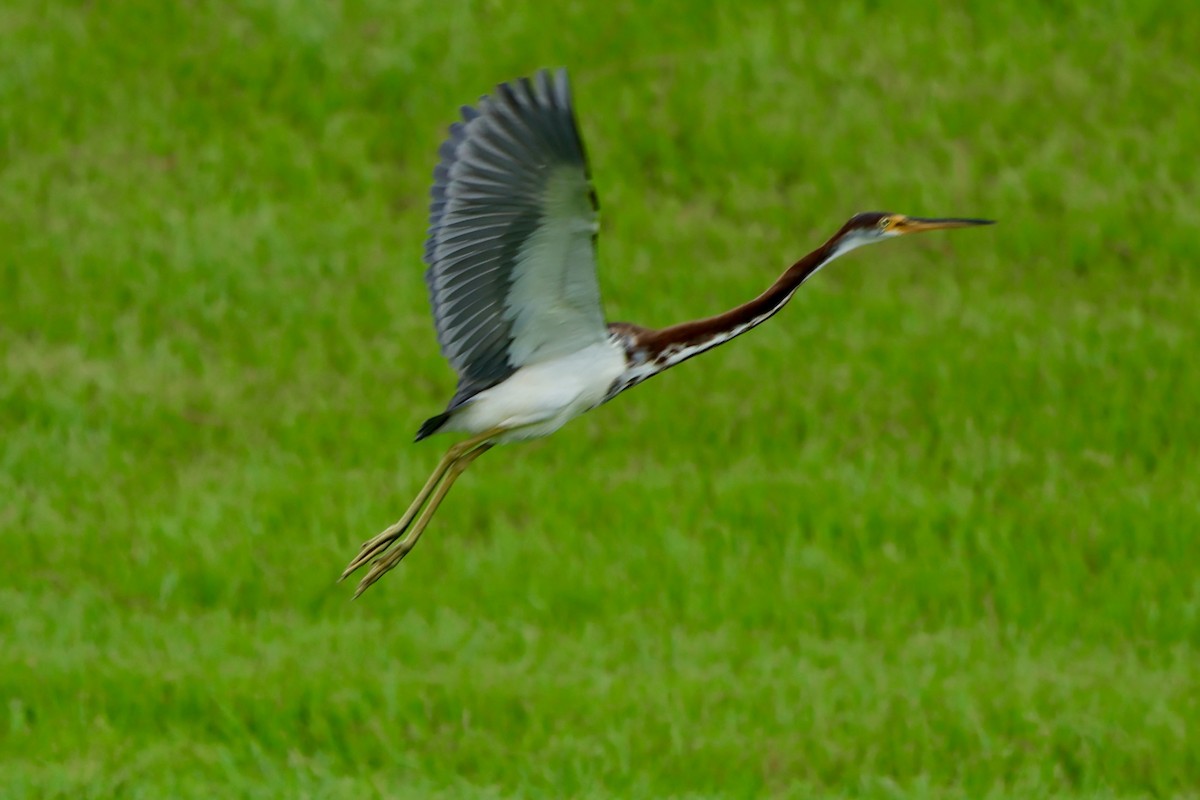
x=875 y=226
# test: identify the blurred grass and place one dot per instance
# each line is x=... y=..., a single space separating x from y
x=930 y=533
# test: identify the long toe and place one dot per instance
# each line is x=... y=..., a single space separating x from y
x=362 y=558
x=387 y=535
x=358 y=561
x=367 y=555
x=374 y=547
x=382 y=567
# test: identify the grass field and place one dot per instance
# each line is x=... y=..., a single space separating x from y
x=932 y=532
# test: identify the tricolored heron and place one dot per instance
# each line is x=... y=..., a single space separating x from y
x=512 y=280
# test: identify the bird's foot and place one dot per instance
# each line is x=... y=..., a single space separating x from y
x=457 y=459
x=385 y=563
x=375 y=547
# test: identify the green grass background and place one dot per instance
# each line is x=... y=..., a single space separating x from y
x=930 y=533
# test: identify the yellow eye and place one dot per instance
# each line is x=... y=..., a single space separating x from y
x=885 y=223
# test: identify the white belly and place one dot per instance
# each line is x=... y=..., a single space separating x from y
x=538 y=399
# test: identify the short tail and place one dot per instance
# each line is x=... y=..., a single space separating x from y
x=432 y=425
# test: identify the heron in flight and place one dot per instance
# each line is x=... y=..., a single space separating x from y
x=512 y=280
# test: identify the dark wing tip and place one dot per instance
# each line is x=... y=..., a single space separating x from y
x=431 y=426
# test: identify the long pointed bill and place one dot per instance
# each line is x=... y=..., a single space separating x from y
x=920 y=224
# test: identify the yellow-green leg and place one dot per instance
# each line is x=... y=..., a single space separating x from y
x=468 y=449
x=405 y=545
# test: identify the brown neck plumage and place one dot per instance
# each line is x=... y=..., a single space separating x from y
x=660 y=349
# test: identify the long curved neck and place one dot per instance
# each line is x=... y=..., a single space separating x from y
x=652 y=351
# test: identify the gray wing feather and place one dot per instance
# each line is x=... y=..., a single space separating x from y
x=512 y=219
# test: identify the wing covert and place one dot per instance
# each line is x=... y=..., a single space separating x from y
x=511 y=255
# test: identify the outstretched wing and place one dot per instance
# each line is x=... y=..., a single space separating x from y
x=511 y=248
